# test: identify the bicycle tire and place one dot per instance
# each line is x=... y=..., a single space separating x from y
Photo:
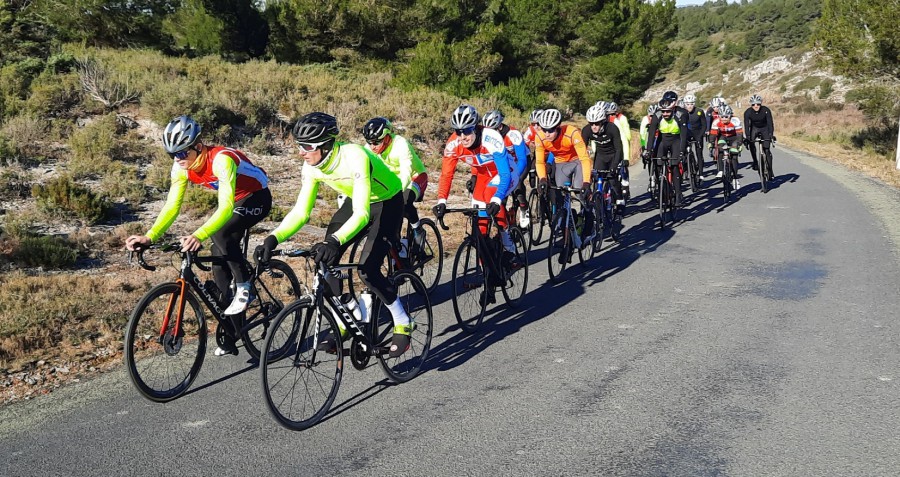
x=355 y=252
x=558 y=251
x=726 y=178
x=270 y=300
x=296 y=393
x=516 y=281
x=692 y=170
x=469 y=286
x=412 y=294
x=769 y=165
x=537 y=217
x=180 y=359
x=601 y=221
x=432 y=254
x=661 y=200
x=586 y=250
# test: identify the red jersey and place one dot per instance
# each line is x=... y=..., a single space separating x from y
x=250 y=178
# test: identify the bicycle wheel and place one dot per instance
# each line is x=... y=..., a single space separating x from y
x=769 y=165
x=602 y=221
x=412 y=294
x=516 y=280
x=692 y=170
x=162 y=362
x=300 y=385
x=537 y=217
x=355 y=255
x=428 y=261
x=559 y=250
x=726 y=178
x=275 y=288
x=661 y=200
x=586 y=250
x=470 y=293
x=763 y=173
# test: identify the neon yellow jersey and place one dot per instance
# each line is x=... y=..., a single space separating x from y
x=351 y=170
x=644 y=130
x=401 y=158
x=625 y=130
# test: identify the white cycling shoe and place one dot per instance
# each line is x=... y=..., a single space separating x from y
x=241 y=300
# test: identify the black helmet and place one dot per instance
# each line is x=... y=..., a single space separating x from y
x=670 y=95
x=376 y=129
x=315 y=128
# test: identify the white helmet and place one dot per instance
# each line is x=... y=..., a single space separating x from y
x=652 y=109
x=613 y=107
x=180 y=134
x=596 y=113
x=550 y=119
x=492 y=119
x=690 y=99
x=755 y=99
x=535 y=115
x=464 y=117
x=725 y=110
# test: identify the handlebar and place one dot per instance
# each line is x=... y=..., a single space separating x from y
x=468 y=211
x=568 y=189
x=340 y=270
x=139 y=252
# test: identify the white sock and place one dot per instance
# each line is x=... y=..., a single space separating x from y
x=398 y=313
x=414 y=225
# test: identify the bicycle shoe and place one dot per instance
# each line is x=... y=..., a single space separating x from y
x=228 y=346
x=511 y=261
x=400 y=341
x=487 y=297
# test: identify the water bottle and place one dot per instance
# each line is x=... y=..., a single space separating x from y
x=365 y=299
x=352 y=306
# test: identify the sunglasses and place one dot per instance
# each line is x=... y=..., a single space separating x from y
x=180 y=155
x=550 y=131
x=598 y=123
x=310 y=147
x=726 y=118
x=465 y=132
x=755 y=104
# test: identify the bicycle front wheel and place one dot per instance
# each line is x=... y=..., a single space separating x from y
x=516 y=280
x=165 y=342
x=692 y=171
x=537 y=217
x=663 y=197
x=300 y=384
x=560 y=248
x=470 y=293
x=430 y=260
x=274 y=288
x=412 y=294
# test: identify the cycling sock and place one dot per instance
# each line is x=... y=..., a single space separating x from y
x=507 y=241
x=398 y=313
x=414 y=225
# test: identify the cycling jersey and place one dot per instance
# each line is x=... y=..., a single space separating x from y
x=697 y=122
x=489 y=160
x=711 y=115
x=567 y=147
x=401 y=158
x=759 y=120
x=673 y=127
x=530 y=134
x=606 y=144
x=728 y=128
x=229 y=172
x=645 y=123
x=351 y=170
x=621 y=123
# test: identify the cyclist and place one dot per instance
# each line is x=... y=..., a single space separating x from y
x=374 y=206
x=483 y=149
x=400 y=157
x=697 y=127
x=529 y=133
x=604 y=139
x=672 y=139
x=243 y=200
x=621 y=122
x=729 y=128
x=712 y=113
x=643 y=130
x=758 y=122
x=518 y=153
x=571 y=160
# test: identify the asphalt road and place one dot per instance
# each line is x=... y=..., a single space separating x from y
x=755 y=339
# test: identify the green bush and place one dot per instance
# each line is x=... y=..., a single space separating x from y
x=93 y=147
x=44 y=251
x=53 y=94
x=61 y=197
x=199 y=201
x=120 y=183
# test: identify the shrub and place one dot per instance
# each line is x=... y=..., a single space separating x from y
x=93 y=147
x=26 y=136
x=199 y=201
x=62 y=197
x=104 y=87
x=121 y=183
x=826 y=88
x=53 y=95
x=14 y=184
x=44 y=251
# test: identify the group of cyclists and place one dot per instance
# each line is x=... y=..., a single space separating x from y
x=382 y=180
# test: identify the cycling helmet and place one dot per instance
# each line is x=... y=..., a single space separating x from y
x=315 y=128
x=550 y=119
x=690 y=98
x=613 y=107
x=535 y=115
x=725 y=110
x=755 y=99
x=464 y=117
x=596 y=114
x=670 y=95
x=681 y=103
x=721 y=101
x=180 y=134
x=666 y=104
x=376 y=129
x=492 y=119
x=652 y=109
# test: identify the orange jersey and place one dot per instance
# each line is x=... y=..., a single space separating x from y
x=568 y=146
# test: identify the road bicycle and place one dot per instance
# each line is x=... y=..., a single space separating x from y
x=607 y=213
x=764 y=165
x=422 y=255
x=303 y=363
x=166 y=336
x=665 y=197
x=695 y=165
x=568 y=233
x=728 y=172
x=481 y=264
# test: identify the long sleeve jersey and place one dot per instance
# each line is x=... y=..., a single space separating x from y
x=759 y=120
x=567 y=147
x=487 y=156
x=606 y=143
x=401 y=158
x=621 y=122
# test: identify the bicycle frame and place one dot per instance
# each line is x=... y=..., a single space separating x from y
x=493 y=267
x=569 y=221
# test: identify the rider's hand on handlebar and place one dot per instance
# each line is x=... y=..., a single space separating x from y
x=189 y=243
x=439 y=210
x=137 y=242
x=470 y=184
x=326 y=252
x=263 y=253
x=493 y=209
x=542 y=185
x=645 y=155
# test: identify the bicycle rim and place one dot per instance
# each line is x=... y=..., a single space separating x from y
x=301 y=384
x=469 y=287
x=275 y=288
x=517 y=280
x=163 y=363
x=537 y=217
x=558 y=257
x=412 y=294
x=663 y=193
x=430 y=263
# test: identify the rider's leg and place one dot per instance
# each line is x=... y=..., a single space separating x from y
x=751 y=145
x=247 y=212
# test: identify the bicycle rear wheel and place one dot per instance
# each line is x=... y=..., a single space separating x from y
x=412 y=294
x=162 y=362
x=537 y=217
x=559 y=249
x=430 y=260
x=470 y=293
x=274 y=288
x=516 y=281
x=300 y=385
